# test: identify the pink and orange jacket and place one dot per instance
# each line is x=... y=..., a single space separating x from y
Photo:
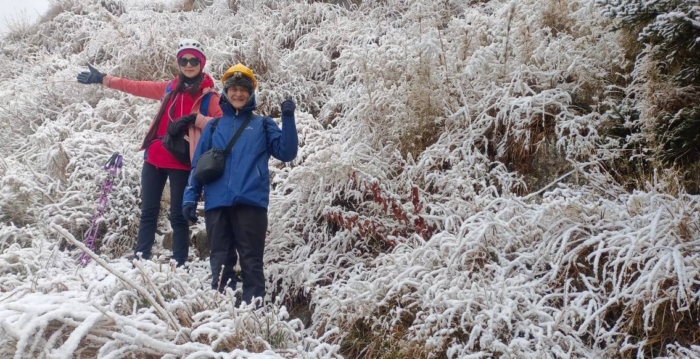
x=177 y=106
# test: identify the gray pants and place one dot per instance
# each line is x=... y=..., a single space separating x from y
x=239 y=229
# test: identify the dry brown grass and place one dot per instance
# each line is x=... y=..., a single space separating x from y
x=665 y=110
x=670 y=325
x=188 y=5
x=195 y=5
x=630 y=43
x=58 y=162
x=19 y=28
x=536 y=158
x=423 y=126
x=556 y=17
x=151 y=65
x=363 y=343
x=422 y=135
x=57 y=8
x=238 y=340
x=299 y=307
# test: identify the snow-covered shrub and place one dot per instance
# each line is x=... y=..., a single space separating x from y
x=663 y=90
x=21 y=194
x=522 y=279
x=455 y=192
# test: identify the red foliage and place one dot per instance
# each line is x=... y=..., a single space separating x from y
x=409 y=222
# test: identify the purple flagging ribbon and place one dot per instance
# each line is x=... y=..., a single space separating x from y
x=112 y=166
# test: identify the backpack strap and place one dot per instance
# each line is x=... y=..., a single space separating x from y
x=204 y=105
x=166 y=95
x=169 y=88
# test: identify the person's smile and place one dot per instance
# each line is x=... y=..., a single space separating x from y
x=238 y=96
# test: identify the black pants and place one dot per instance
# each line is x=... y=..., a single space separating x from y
x=152 y=183
x=241 y=229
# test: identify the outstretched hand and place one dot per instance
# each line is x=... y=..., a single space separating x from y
x=93 y=76
x=288 y=107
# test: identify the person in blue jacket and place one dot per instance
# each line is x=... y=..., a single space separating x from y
x=235 y=204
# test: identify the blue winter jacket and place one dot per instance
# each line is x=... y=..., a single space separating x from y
x=246 y=178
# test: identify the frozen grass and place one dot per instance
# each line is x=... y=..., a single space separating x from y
x=455 y=193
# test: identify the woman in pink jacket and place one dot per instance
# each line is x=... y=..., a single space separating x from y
x=181 y=99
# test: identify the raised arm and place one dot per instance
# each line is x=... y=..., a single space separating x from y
x=147 y=89
x=283 y=144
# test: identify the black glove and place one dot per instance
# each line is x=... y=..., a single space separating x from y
x=288 y=107
x=188 y=119
x=181 y=123
x=91 y=77
x=189 y=211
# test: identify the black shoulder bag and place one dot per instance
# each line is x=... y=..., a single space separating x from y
x=211 y=164
x=174 y=139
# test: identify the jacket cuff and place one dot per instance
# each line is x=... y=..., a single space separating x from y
x=201 y=121
x=106 y=80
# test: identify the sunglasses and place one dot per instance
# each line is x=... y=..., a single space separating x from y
x=192 y=61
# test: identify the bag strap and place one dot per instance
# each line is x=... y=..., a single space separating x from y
x=235 y=136
x=213 y=126
x=238 y=133
x=213 y=129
